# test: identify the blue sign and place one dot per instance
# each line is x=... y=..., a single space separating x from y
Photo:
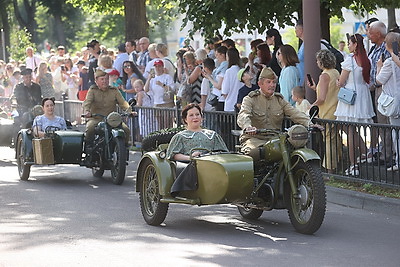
x=359 y=27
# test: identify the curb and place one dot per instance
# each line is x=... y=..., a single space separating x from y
x=363 y=201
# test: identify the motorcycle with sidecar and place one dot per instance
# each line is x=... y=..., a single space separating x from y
x=284 y=174
x=66 y=147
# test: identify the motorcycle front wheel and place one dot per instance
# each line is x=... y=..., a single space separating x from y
x=118 y=168
x=153 y=211
x=306 y=206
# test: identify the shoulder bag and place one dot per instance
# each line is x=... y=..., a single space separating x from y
x=348 y=96
x=386 y=104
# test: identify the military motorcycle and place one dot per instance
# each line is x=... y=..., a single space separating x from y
x=67 y=147
x=284 y=174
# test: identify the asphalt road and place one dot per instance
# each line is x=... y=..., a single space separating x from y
x=63 y=216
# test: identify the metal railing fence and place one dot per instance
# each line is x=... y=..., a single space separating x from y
x=340 y=145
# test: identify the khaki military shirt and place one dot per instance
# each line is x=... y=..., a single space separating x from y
x=263 y=112
x=104 y=102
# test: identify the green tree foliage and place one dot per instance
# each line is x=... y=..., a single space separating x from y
x=209 y=16
x=20 y=40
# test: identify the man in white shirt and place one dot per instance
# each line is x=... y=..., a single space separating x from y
x=120 y=59
x=31 y=61
x=130 y=47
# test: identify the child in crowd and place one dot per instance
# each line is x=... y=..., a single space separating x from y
x=298 y=95
x=245 y=76
x=83 y=84
x=143 y=99
x=206 y=86
x=116 y=81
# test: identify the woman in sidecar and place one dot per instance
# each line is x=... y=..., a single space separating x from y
x=182 y=145
x=193 y=137
x=48 y=120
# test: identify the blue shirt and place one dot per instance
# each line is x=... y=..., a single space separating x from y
x=287 y=81
x=300 y=66
x=374 y=57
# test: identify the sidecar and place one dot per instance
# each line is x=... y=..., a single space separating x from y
x=64 y=147
x=221 y=178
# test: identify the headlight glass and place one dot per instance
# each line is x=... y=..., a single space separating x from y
x=114 y=119
x=298 y=136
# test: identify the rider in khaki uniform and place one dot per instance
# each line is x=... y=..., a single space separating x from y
x=264 y=108
x=102 y=99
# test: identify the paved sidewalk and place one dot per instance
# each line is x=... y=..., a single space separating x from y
x=364 y=201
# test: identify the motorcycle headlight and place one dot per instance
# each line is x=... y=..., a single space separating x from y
x=298 y=136
x=114 y=119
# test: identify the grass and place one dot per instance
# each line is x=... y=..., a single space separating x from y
x=364 y=187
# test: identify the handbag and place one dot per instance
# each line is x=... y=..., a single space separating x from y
x=212 y=99
x=168 y=96
x=386 y=105
x=348 y=96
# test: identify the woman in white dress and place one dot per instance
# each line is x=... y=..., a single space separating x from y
x=356 y=76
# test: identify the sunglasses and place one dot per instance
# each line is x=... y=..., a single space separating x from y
x=127 y=67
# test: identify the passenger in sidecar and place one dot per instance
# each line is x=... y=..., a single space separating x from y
x=221 y=177
x=47 y=142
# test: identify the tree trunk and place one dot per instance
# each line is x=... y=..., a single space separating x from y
x=29 y=22
x=136 y=25
x=59 y=28
x=391 y=18
x=6 y=28
x=325 y=25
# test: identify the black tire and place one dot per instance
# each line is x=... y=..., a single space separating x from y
x=23 y=169
x=153 y=211
x=307 y=211
x=97 y=172
x=151 y=142
x=249 y=213
x=119 y=161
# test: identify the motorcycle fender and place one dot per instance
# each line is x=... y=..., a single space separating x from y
x=305 y=154
x=27 y=143
x=118 y=132
x=163 y=170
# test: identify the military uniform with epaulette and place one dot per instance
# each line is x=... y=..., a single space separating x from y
x=264 y=112
x=103 y=102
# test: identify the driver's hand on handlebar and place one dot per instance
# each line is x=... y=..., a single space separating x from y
x=196 y=154
x=319 y=127
x=250 y=130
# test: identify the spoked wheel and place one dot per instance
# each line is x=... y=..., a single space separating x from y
x=23 y=169
x=153 y=211
x=118 y=168
x=306 y=207
x=250 y=213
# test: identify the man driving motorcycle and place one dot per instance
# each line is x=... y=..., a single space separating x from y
x=102 y=99
x=27 y=94
x=265 y=108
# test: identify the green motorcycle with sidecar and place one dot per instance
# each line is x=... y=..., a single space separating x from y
x=66 y=147
x=284 y=175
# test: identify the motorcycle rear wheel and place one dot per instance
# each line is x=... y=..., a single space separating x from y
x=249 y=213
x=306 y=208
x=24 y=170
x=154 y=212
x=119 y=161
